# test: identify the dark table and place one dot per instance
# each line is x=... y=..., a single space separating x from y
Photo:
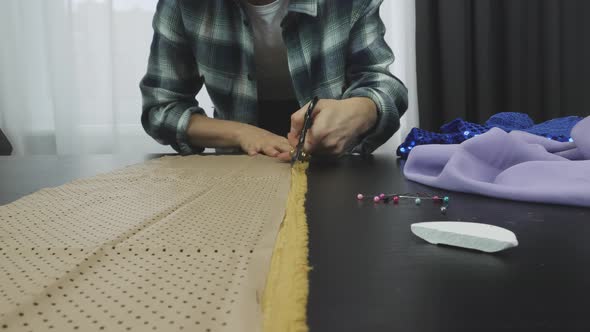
x=370 y=273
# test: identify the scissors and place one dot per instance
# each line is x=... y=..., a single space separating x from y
x=299 y=154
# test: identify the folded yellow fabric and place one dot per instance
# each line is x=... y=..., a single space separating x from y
x=285 y=297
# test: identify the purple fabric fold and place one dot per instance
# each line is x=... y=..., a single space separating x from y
x=517 y=166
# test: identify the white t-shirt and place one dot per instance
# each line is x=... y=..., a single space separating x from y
x=272 y=67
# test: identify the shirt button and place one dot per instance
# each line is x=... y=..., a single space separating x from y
x=250 y=77
x=246 y=23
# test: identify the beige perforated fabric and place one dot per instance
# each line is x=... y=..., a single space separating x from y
x=178 y=243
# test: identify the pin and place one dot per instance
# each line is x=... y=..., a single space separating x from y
x=417 y=197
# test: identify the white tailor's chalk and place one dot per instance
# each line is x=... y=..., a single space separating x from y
x=483 y=237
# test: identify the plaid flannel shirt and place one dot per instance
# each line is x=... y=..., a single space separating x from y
x=336 y=50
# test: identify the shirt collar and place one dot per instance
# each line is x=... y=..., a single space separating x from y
x=308 y=7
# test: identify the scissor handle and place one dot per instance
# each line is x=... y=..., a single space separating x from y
x=306 y=125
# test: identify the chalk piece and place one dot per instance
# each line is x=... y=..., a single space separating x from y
x=483 y=237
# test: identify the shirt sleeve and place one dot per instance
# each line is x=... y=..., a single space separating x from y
x=171 y=83
x=369 y=58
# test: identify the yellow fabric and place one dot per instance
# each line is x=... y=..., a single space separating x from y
x=285 y=298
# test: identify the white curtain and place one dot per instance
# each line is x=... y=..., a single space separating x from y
x=400 y=20
x=69 y=74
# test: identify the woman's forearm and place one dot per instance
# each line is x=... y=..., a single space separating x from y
x=214 y=133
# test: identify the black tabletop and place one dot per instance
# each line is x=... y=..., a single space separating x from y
x=370 y=273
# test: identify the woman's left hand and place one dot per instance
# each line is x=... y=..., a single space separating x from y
x=336 y=124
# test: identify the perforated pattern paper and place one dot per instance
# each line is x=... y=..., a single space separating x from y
x=178 y=243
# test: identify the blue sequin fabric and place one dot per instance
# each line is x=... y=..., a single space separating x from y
x=460 y=130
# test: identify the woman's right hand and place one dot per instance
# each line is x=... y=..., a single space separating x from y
x=214 y=133
x=254 y=140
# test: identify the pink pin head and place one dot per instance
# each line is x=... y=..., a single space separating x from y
x=376 y=199
x=396 y=199
x=360 y=197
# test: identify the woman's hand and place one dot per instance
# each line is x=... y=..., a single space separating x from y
x=254 y=140
x=336 y=124
x=215 y=133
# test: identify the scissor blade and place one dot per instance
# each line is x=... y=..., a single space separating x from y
x=296 y=156
x=306 y=126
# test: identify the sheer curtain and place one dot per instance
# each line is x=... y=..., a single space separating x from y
x=399 y=17
x=70 y=71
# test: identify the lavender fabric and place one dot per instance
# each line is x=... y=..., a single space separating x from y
x=459 y=130
x=516 y=165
